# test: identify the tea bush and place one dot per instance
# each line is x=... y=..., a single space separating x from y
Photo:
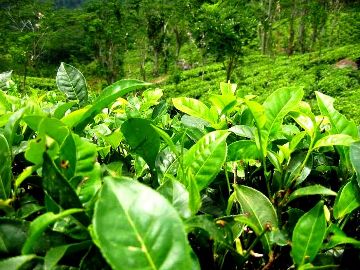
x=116 y=182
x=262 y=75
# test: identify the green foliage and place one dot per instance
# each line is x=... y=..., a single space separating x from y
x=123 y=184
x=308 y=235
x=72 y=83
x=145 y=234
x=260 y=212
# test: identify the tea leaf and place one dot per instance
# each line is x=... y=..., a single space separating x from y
x=258 y=112
x=355 y=159
x=167 y=139
x=243 y=131
x=142 y=138
x=336 y=139
x=218 y=230
x=243 y=150
x=311 y=190
x=279 y=104
x=194 y=107
x=54 y=255
x=136 y=228
x=86 y=168
x=223 y=103
x=308 y=235
x=17 y=262
x=12 y=126
x=347 y=200
x=259 y=210
x=338 y=237
x=177 y=195
x=339 y=123
x=194 y=194
x=295 y=170
x=5 y=168
x=60 y=190
x=39 y=225
x=304 y=121
x=72 y=83
x=206 y=157
x=62 y=109
x=107 y=96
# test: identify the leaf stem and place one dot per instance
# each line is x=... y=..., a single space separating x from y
x=343 y=221
x=257 y=239
x=227 y=178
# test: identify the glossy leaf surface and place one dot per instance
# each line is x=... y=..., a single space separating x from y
x=243 y=150
x=177 y=195
x=347 y=200
x=336 y=139
x=279 y=104
x=16 y=263
x=206 y=157
x=295 y=171
x=355 y=159
x=107 y=96
x=142 y=138
x=257 y=207
x=243 y=131
x=132 y=234
x=311 y=190
x=5 y=168
x=72 y=83
x=308 y=235
x=258 y=112
x=194 y=108
x=339 y=123
x=39 y=225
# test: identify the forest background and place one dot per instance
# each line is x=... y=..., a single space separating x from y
x=186 y=47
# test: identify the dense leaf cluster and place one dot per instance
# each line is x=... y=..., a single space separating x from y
x=108 y=182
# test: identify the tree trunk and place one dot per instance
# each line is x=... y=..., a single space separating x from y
x=178 y=42
x=142 y=66
x=230 y=67
x=263 y=39
x=314 y=35
x=25 y=74
x=269 y=27
x=336 y=7
x=302 y=27
x=290 y=49
x=156 y=63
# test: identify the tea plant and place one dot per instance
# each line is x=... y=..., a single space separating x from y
x=110 y=182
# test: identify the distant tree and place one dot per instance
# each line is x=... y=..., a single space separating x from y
x=28 y=31
x=106 y=25
x=266 y=25
x=224 y=29
x=318 y=13
x=66 y=40
x=154 y=16
x=179 y=20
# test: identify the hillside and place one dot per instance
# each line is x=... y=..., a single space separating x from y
x=261 y=75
